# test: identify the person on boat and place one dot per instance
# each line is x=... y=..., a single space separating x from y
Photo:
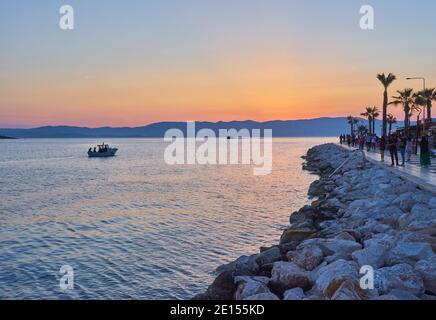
x=425 y=153
x=90 y=150
x=95 y=149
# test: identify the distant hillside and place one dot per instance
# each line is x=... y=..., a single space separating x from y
x=3 y=137
x=325 y=127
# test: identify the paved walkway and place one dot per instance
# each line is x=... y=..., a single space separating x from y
x=424 y=177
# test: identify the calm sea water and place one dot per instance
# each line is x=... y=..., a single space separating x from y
x=133 y=227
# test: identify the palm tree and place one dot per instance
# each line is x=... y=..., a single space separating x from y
x=386 y=81
x=368 y=114
x=428 y=95
x=405 y=98
x=362 y=130
x=374 y=114
x=417 y=106
x=391 y=120
x=352 y=121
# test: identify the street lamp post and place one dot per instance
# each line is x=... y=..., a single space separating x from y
x=423 y=107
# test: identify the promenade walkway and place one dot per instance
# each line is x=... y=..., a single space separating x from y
x=424 y=177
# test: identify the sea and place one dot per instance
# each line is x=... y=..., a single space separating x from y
x=133 y=226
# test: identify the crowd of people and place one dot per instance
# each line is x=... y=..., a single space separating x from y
x=394 y=143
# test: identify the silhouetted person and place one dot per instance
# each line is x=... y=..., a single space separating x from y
x=425 y=153
x=392 y=144
x=403 y=144
x=382 y=146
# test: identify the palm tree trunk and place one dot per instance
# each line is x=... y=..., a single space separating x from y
x=429 y=110
x=406 y=119
x=385 y=111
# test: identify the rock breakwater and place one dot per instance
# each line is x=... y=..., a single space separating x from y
x=361 y=215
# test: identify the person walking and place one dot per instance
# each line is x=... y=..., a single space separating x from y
x=424 y=153
x=409 y=149
x=374 y=142
x=403 y=143
x=368 y=142
x=382 y=146
x=392 y=145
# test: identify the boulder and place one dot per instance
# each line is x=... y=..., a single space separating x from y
x=334 y=249
x=268 y=256
x=432 y=203
x=350 y=290
x=332 y=276
x=410 y=252
x=386 y=297
x=400 y=276
x=250 y=286
x=246 y=266
x=287 y=275
x=308 y=257
x=403 y=295
x=374 y=251
x=294 y=294
x=223 y=288
x=421 y=217
x=297 y=234
x=405 y=201
x=243 y=266
x=427 y=270
x=345 y=236
x=262 y=297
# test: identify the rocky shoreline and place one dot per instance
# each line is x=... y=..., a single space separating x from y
x=362 y=215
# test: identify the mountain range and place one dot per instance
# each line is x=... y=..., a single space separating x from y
x=319 y=127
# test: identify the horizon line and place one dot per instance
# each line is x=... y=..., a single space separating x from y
x=169 y=121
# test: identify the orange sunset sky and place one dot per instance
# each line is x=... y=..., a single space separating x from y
x=135 y=62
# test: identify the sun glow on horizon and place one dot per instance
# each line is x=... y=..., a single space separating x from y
x=148 y=62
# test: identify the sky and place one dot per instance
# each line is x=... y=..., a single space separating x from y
x=134 y=62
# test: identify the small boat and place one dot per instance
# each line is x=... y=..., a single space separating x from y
x=103 y=151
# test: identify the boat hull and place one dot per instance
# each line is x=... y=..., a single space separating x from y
x=109 y=153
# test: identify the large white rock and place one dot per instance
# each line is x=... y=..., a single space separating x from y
x=287 y=275
x=427 y=270
x=400 y=276
x=332 y=276
x=410 y=252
